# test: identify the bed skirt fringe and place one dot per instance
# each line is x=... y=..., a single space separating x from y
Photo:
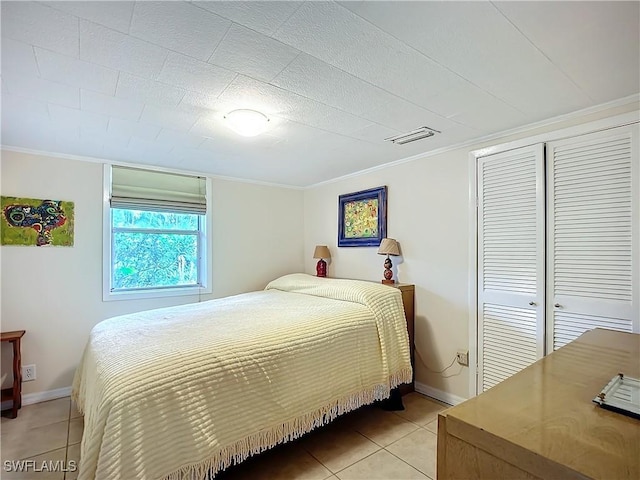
x=291 y=430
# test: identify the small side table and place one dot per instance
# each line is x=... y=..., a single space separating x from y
x=408 y=301
x=14 y=393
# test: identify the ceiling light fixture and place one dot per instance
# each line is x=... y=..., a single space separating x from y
x=417 y=134
x=247 y=123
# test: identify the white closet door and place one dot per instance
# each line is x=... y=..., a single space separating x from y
x=510 y=263
x=593 y=224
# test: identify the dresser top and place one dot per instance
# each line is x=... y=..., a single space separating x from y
x=547 y=408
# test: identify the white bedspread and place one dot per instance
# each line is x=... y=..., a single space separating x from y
x=176 y=392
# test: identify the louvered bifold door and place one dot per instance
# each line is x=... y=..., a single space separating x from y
x=510 y=263
x=593 y=225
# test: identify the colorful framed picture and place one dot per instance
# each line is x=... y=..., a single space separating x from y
x=35 y=222
x=362 y=218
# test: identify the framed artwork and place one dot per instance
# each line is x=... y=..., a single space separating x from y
x=362 y=218
x=33 y=222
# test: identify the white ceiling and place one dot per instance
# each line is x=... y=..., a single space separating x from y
x=149 y=82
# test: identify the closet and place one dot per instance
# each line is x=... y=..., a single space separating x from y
x=558 y=247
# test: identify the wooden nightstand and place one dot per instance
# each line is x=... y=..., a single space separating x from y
x=15 y=392
x=408 y=300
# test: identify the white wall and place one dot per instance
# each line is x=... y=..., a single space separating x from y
x=259 y=233
x=428 y=213
x=55 y=293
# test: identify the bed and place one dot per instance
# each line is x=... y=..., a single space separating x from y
x=184 y=392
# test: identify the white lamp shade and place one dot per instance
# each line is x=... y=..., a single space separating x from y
x=389 y=246
x=247 y=123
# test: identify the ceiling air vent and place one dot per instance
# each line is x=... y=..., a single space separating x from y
x=412 y=136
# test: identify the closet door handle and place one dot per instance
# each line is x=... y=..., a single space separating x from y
x=557 y=305
x=532 y=303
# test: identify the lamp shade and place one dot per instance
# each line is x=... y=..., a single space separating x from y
x=321 y=251
x=389 y=246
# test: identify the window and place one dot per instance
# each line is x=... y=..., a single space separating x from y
x=155 y=234
x=154 y=249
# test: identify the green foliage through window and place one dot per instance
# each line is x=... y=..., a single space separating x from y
x=154 y=249
x=157 y=220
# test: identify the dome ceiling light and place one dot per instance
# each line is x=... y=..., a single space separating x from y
x=247 y=123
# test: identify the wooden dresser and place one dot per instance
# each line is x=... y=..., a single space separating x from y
x=542 y=423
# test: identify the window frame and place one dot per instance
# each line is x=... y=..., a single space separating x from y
x=204 y=255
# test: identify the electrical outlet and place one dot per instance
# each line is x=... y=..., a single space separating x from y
x=28 y=373
x=463 y=357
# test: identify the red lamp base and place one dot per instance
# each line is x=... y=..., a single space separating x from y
x=321 y=268
x=388 y=274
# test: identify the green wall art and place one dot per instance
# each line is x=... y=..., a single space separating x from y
x=33 y=222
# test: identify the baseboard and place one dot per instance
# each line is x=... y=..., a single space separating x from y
x=445 y=397
x=31 y=398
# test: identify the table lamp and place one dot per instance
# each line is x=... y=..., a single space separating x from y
x=321 y=252
x=388 y=246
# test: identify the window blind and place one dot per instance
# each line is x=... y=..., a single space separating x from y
x=138 y=189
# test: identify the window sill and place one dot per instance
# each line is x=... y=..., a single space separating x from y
x=110 y=296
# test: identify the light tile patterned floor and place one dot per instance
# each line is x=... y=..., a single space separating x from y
x=367 y=444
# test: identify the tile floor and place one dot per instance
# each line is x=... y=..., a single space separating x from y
x=367 y=444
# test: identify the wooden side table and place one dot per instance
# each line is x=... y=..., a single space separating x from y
x=408 y=301
x=408 y=292
x=14 y=393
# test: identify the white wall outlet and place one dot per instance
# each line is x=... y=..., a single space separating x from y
x=28 y=373
x=463 y=357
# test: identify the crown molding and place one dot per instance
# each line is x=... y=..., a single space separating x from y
x=630 y=100
x=102 y=161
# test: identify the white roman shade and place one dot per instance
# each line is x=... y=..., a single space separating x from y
x=138 y=189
